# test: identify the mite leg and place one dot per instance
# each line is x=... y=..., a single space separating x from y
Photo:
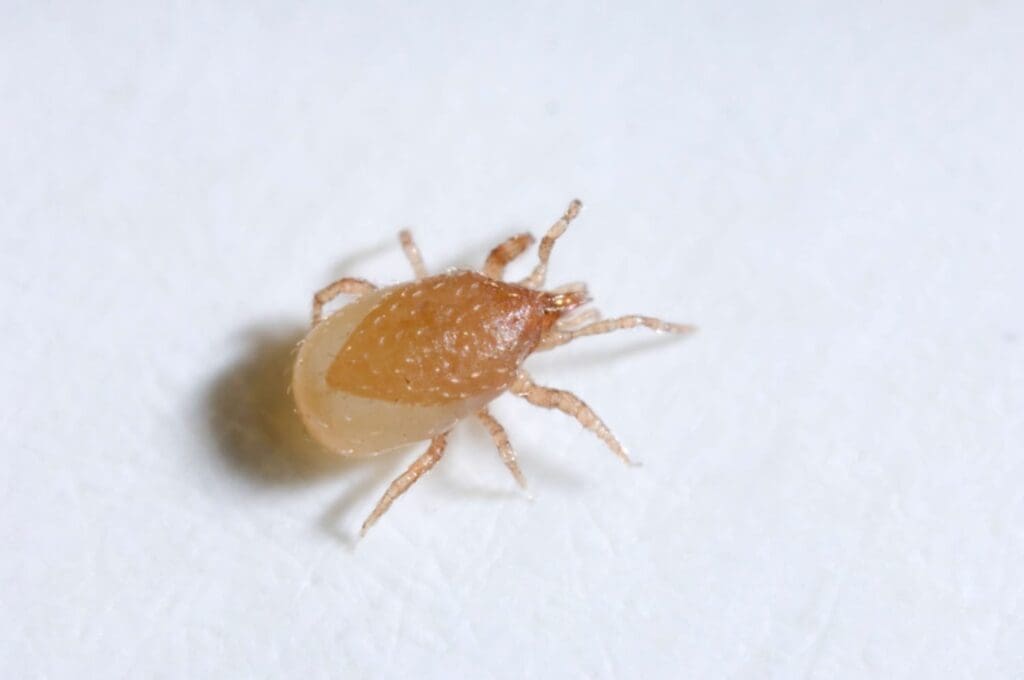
x=349 y=285
x=501 y=255
x=412 y=253
x=500 y=437
x=406 y=479
x=536 y=278
x=561 y=335
x=570 y=404
x=574 y=287
x=577 y=320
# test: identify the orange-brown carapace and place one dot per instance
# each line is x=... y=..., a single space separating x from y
x=406 y=363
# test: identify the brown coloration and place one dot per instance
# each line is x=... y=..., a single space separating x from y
x=348 y=285
x=442 y=339
x=504 y=253
x=406 y=363
x=405 y=480
x=570 y=404
x=539 y=274
x=501 y=442
x=412 y=253
x=565 y=334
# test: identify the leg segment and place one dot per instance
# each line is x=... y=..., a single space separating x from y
x=570 y=404
x=406 y=479
x=504 y=253
x=536 y=278
x=500 y=437
x=561 y=335
x=574 y=287
x=412 y=253
x=349 y=285
x=577 y=320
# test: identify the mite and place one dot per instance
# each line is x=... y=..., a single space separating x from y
x=406 y=363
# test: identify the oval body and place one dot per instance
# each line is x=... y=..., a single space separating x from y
x=405 y=363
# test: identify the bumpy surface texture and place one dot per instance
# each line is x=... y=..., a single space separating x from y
x=440 y=340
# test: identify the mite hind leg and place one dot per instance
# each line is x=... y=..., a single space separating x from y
x=563 y=334
x=539 y=273
x=501 y=442
x=570 y=404
x=502 y=254
x=348 y=285
x=402 y=483
x=412 y=253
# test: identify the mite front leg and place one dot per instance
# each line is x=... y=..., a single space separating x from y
x=412 y=253
x=561 y=335
x=539 y=273
x=407 y=479
x=577 y=320
x=347 y=285
x=570 y=404
x=505 y=450
x=501 y=255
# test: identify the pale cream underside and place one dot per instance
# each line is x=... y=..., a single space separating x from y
x=357 y=426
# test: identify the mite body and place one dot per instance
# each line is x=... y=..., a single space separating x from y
x=406 y=363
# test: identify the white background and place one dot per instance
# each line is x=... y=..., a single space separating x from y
x=833 y=468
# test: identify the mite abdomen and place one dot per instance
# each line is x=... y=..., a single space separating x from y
x=358 y=424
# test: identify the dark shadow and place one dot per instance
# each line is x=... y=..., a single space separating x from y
x=252 y=419
x=249 y=409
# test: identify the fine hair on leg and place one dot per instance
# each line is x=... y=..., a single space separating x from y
x=561 y=335
x=348 y=285
x=501 y=442
x=577 y=320
x=402 y=483
x=570 y=404
x=539 y=274
x=505 y=252
x=412 y=253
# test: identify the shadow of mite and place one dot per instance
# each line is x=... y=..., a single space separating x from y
x=251 y=417
x=252 y=422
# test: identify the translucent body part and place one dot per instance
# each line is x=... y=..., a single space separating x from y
x=405 y=363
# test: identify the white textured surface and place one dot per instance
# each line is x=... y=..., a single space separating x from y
x=834 y=467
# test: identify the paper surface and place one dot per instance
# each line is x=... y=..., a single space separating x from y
x=832 y=468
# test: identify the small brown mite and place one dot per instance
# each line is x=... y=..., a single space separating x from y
x=406 y=363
